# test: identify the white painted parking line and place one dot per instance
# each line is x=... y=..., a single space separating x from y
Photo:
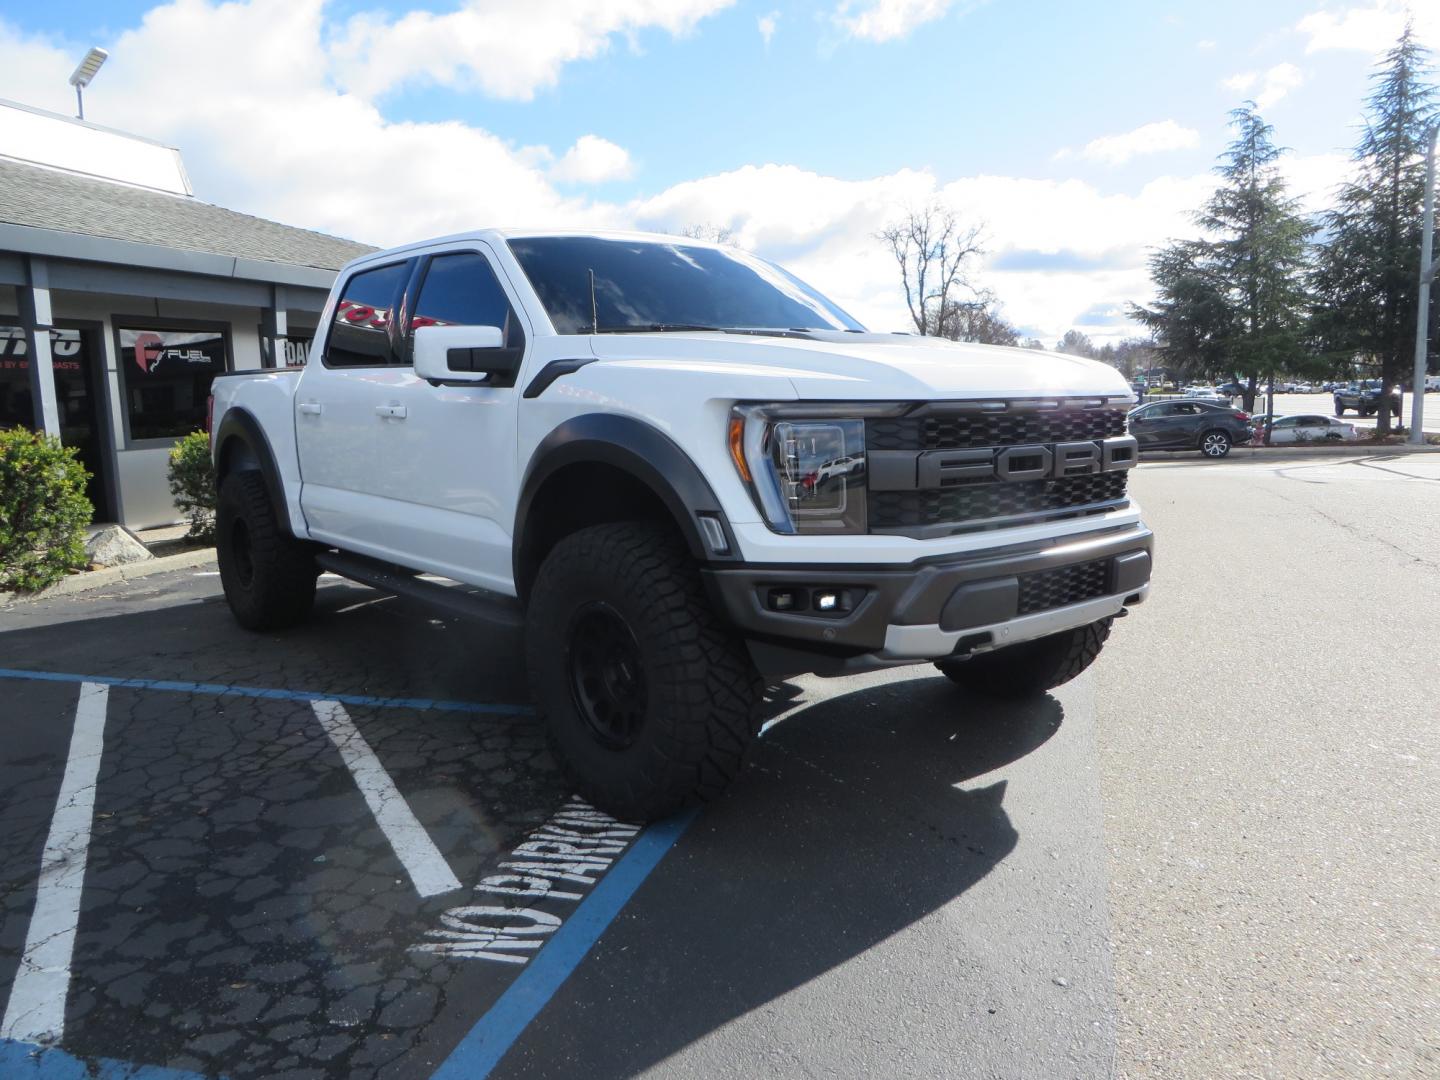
x=428 y=870
x=36 y=1010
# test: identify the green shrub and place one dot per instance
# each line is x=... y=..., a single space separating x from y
x=192 y=482
x=43 y=510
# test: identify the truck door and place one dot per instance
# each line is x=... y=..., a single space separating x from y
x=336 y=425
x=393 y=467
x=449 y=451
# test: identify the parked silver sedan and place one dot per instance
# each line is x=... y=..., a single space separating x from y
x=1307 y=428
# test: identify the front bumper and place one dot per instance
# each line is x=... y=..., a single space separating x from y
x=935 y=607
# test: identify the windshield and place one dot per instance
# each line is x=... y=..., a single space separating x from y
x=643 y=285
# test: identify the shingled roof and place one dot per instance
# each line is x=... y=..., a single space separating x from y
x=46 y=198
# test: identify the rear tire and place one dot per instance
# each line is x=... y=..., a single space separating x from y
x=269 y=577
x=1032 y=667
x=1339 y=409
x=649 y=699
x=1215 y=444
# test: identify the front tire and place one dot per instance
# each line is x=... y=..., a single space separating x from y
x=268 y=577
x=650 y=701
x=1339 y=409
x=1032 y=667
x=1215 y=444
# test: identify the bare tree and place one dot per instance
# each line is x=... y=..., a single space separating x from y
x=979 y=320
x=716 y=234
x=933 y=249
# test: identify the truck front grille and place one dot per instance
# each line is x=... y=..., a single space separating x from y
x=1049 y=589
x=959 y=505
x=963 y=431
x=977 y=504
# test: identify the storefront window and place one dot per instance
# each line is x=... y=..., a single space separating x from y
x=74 y=397
x=167 y=376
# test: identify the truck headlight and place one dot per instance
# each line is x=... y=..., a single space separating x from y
x=805 y=472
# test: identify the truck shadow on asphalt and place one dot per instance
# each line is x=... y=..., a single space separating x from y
x=858 y=815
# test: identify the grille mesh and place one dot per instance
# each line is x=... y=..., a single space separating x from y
x=994 y=499
x=1066 y=585
x=963 y=431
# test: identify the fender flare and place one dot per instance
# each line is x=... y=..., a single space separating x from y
x=240 y=433
x=642 y=451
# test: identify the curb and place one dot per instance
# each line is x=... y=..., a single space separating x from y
x=1353 y=449
x=98 y=579
x=1277 y=453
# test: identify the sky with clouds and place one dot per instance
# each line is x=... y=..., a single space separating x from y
x=1080 y=135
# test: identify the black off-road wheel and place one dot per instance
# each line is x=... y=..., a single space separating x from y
x=649 y=699
x=268 y=576
x=1032 y=667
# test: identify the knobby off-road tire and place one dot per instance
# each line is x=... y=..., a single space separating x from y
x=269 y=577
x=1032 y=667
x=649 y=699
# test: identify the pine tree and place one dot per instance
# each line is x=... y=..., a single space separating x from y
x=1234 y=302
x=1365 y=278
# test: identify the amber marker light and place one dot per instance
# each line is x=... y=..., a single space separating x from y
x=737 y=447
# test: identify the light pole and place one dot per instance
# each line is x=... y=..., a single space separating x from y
x=1422 y=307
x=82 y=75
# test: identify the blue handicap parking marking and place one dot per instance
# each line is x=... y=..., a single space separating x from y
x=222 y=690
x=20 y=1060
x=495 y=1033
x=521 y=917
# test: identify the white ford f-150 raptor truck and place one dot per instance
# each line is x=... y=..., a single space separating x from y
x=685 y=473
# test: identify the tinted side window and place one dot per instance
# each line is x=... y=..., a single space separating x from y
x=362 y=333
x=462 y=290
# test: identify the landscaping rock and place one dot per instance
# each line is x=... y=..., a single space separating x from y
x=110 y=545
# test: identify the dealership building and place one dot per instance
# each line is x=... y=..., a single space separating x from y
x=122 y=296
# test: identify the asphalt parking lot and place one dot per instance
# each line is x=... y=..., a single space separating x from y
x=344 y=851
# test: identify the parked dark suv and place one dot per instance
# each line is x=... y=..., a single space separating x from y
x=1189 y=425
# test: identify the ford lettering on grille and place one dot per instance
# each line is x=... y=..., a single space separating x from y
x=932 y=469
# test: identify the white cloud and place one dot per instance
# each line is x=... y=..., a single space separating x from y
x=507 y=48
x=1147 y=139
x=592 y=160
x=269 y=133
x=272 y=134
x=1278 y=81
x=1273 y=84
x=1371 y=28
x=1205 y=44
x=886 y=20
x=766 y=24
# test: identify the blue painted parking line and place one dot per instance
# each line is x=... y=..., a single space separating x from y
x=22 y=1059
x=222 y=690
x=495 y=1033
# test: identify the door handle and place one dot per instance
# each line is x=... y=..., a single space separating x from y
x=309 y=408
x=396 y=412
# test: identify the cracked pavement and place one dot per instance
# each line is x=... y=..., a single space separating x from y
x=1212 y=856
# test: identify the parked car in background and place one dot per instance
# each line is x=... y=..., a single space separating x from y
x=1189 y=424
x=1432 y=383
x=1365 y=397
x=1304 y=428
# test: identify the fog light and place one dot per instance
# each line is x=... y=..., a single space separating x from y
x=784 y=600
x=827 y=601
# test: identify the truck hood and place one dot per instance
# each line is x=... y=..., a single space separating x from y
x=832 y=366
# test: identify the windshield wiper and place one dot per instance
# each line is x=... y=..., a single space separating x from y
x=656 y=328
